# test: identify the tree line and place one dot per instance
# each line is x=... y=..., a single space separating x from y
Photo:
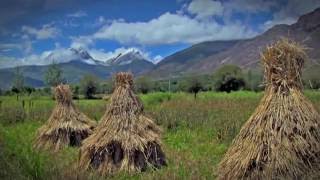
x=225 y=79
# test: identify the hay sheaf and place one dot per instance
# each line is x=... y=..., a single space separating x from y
x=125 y=139
x=66 y=125
x=281 y=140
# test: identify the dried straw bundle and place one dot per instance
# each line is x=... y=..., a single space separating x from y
x=125 y=140
x=281 y=140
x=66 y=125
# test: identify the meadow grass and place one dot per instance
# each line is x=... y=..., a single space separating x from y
x=197 y=132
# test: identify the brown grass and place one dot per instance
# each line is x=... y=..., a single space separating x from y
x=66 y=125
x=125 y=139
x=281 y=140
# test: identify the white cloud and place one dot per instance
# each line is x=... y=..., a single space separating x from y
x=82 y=41
x=25 y=46
x=205 y=8
x=77 y=14
x=171 y=28
x=47 y=31
x=291 y=11
x=60 y=55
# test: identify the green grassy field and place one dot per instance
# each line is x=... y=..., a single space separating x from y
x=196 y=134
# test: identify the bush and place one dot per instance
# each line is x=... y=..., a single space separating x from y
x=231 y=84
x=229 y=78
x=89 y=86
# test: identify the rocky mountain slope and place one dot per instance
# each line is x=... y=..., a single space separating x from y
x=244 y=53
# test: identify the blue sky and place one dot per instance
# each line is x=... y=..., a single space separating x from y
x=31 y=29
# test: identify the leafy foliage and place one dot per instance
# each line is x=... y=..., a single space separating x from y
x=229 y=78
x=194 y=86
x=89 y=85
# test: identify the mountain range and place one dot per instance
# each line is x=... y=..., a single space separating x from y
x=201 y=58
x=208 y=56
x=79 y=63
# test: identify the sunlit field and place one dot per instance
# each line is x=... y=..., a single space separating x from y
x=196 y=134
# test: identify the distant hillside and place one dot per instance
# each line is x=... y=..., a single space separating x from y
x=178 y=62
x=7 y=78
x=73 y=71
x=244 y=53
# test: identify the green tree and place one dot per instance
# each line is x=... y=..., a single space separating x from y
x=194 y=85
x=54 y=75
x=143 y=85
x=18 y=81
x=228 y=78
x=89 y=86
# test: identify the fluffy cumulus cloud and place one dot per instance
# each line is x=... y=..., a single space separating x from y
x=47 y=31
x=171 y=28
x=205 y=8
x=59 y=55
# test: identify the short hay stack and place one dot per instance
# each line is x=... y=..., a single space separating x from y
x=281 y=140
x=66 y=125
x=125 y=140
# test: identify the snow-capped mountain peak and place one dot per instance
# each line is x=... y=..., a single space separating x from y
x=126 y=57
x=81 y=52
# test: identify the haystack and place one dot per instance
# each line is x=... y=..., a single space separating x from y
x=281 y=140
x=125 y=139
x=66 y=125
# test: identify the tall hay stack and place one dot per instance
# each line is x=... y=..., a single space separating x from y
x=66 y=125
x=124 y=140
x=281 y=140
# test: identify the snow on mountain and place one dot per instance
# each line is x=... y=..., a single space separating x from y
x=120 y=56
x=83 y=56
x=126 y=57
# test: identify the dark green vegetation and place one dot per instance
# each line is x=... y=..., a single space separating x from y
x=227 y=78
x=196 y=133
